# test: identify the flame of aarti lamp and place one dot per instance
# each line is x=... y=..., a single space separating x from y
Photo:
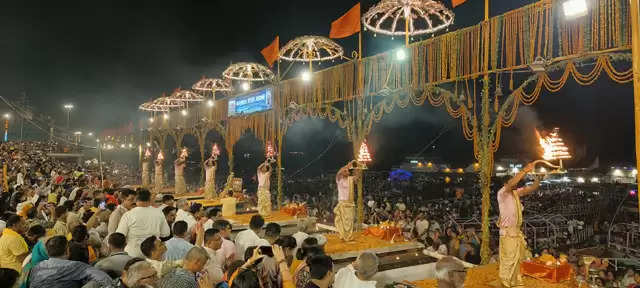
x=215 y=151
x=270 y=152
x=184 y=153
x=364 y=156
x=553 y=147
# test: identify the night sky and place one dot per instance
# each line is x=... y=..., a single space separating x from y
x=107 y=57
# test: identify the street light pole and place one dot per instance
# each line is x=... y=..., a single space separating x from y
x=68 y=108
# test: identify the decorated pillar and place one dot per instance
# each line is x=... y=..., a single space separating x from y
x=635 y=34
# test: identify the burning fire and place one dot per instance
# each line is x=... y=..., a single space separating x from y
x=184 y=153
x=270 y=151
x=215 y=151
x=553 y=146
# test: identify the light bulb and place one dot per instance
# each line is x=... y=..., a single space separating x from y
x=210 y=103
x=151 y=119
x=306 y=76
x=184 y=112
x=400 y=54
x=246 y=86
x=165 y=116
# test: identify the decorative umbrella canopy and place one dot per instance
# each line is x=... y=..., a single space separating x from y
x=151 y=106
x=425 y=16
x=167 y=102
x=186 y=96
x=212 y=84
x=311 y=48
x=245 y=71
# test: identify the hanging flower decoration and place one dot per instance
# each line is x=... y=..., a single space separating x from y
x=212 y=84
x=364 y=156
x=425 y=16
x=311 y=48
x=215 y=151
x=245 y=71
x=186 y=96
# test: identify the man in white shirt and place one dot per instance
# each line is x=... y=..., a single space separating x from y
x=213 y=214
x=128 y=203
x=422 y=226
x=183 y=214
x=228 y=248
x=212 y=243
x=141 y=222
x=359 y=273
x=249 y=237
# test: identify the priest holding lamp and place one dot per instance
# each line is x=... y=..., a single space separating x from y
x=513 y=248
x=264 y=186
x=344 y=212
x=210 y=174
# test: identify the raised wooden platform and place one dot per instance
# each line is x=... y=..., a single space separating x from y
x=486 y=276
x=340 y=250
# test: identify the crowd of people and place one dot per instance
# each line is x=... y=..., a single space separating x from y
x=62 y=227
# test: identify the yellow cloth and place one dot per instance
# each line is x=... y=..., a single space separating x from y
x=158 y=179
x=210 y=182
x=228 y=206
x=52 y=198
x=513 y=249
x=264 y=202
x=344 y=216
x=12 y=245
x=180 y=186
x=294 y=264
x=146 y=177
x=59 y=229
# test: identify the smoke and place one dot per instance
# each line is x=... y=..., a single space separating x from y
x=526 y=123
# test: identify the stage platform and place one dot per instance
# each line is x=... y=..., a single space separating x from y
x=485 y=276
x=340 y=250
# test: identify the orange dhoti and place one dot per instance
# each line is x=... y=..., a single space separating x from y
x=344 y=216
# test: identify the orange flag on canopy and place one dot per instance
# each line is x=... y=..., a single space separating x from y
x=271 y=52
x=346 y=25
x=455 y=3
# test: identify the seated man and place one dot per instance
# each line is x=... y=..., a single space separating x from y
x=228 y=204
x=137 y=273
x=185 y=276
x=358 y=273
x=154 y=250
x=178 y=246
x=321 y=272
x=114 y=264
x=58 y=272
